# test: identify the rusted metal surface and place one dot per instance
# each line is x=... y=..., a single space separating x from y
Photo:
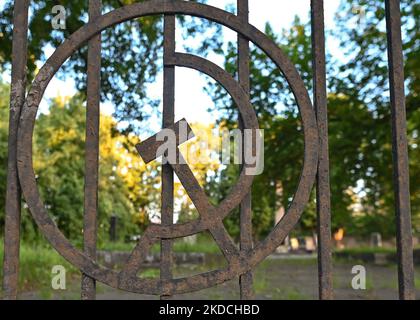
x=92 y=150
x=13 y=193
x=246 y=242
x=167 y=206
x=152 y=148
x=400 y=152
x=323 y=177
x=240 y=261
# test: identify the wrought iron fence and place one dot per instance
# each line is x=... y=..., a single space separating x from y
x=241 y=261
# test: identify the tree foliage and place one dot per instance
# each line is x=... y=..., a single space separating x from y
x=59 y=165
x=359 y=121
x=130 y=52
x=128 y=188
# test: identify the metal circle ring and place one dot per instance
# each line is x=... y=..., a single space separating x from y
x=127 y=280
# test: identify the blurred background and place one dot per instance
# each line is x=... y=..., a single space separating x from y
x=363 y=215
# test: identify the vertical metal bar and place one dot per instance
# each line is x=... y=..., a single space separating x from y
x=400 y=152
x=167 y=171
x=13 y=193
x=246 y=243
x=323 y=177
x=92 y=150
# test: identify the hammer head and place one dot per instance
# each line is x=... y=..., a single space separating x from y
x=163 y=142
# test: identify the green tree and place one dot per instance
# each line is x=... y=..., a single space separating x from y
x=359 y=121
x=59 y=164
x=363 y=79
x=129 y=51
x=278 y=116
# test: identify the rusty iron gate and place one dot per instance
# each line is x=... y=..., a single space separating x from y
x=241 y=261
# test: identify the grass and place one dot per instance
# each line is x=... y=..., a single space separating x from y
x=289 y=293
x=116 y=246
x=36 y=263
x=152 y=273
x=309 y=261
x=366 y=250
x=417 y=280
x=203 y=245
x=37 y=260
x=264 y=285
